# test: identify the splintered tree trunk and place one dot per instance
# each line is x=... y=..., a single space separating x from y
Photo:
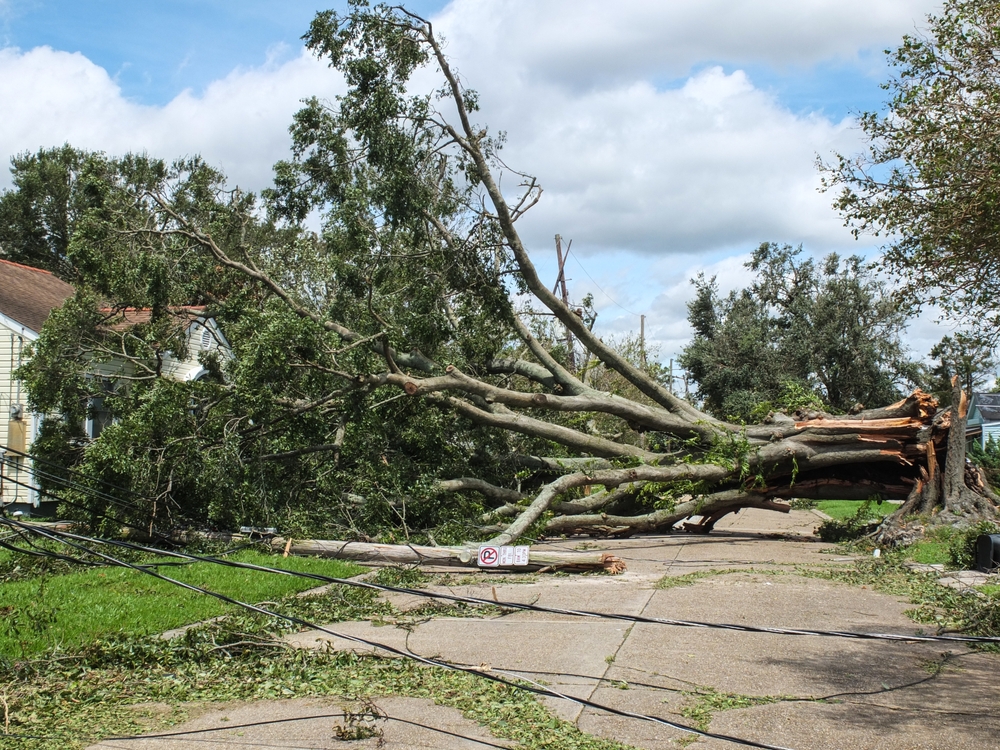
x=948 y=491
x=910 y=451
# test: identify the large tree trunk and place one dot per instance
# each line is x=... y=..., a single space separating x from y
x=909 y=451
x=950 y=490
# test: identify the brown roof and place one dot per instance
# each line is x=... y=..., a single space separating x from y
x=126 y=317
x=28 y=294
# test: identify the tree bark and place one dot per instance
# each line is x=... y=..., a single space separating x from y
x=953 y=494
x=461 y=557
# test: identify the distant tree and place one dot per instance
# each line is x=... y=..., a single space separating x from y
x=965 y=355
x=801 y=335
x=930 y=179
x=37 y=216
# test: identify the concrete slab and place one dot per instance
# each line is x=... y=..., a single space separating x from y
x=570 y=656
x=770 y=522
x=606 y=594
x=820 y=726
x=763 y=664
x=409 y=724
x=834 y=693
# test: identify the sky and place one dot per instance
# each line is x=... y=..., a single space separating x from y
x=670 y=137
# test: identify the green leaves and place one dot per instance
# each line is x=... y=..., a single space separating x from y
x=929 y=181
x=800 y=335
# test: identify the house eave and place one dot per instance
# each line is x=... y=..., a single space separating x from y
x=19 y=328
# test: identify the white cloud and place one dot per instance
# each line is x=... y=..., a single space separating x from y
x=239 y=122
x=578 y=43
x=714 y=163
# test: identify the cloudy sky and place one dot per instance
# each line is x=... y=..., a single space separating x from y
x=670 y=136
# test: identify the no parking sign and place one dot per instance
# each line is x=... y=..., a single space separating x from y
x=489 y=557
x=496 y=556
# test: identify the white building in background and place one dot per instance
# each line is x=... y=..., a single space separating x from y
x=27 y=298
x=984 y=418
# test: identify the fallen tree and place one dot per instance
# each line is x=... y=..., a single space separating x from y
x=405 y=295
x=368 y=553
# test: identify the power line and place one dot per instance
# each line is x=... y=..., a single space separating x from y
x=126 y=524
x=71 y=470
x=429 y=661
x=898 y=637
x=613 y=301
x=250 y=725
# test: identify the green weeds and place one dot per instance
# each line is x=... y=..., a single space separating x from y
x=944 y=608
x=705 y=702
x=689 y=579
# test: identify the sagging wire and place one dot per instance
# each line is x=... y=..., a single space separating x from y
x=896 y=637
x=141 y=529
x=67 y=539
x=71 y=470
x=98 y=741
x=104 y=516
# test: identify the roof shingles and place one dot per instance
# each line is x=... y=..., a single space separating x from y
x=28 y=295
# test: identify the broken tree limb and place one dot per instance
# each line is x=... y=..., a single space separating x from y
x=368 y=553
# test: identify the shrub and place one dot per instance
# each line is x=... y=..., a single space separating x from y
x=962 y=549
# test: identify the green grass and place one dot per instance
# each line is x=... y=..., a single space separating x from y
x=842 y=509
x=929 y=552
x=72 y=609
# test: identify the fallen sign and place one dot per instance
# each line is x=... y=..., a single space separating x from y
x=503 y=557
x=522 y=558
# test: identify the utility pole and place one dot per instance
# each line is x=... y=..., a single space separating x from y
x=561 y=286
x=642 y=339
x=671 y=381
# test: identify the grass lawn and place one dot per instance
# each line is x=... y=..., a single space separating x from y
x=841 y=509
x=74 y=608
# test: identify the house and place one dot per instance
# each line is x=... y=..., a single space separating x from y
x=984 y=418
x=27 y=298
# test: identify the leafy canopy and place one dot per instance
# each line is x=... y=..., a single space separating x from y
x=803 y=334
x=930 y=179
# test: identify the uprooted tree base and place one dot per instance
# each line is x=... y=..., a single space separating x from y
x=909 y=451
x=950 y=491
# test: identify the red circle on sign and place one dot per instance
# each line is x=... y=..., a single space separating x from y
x=488 y=555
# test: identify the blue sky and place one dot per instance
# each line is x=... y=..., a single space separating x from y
x=671 y=137
x=156 y=49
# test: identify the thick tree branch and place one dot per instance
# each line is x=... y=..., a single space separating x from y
x=478 y=485
x=556 y=433
x=609 y=478
x=471 y=143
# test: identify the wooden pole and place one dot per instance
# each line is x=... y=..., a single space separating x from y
x=642 y=339
x=461 y=557
x=561 y=283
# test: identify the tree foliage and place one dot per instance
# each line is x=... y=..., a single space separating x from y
x=382 y=376
x=803 y=334
x=965 y=355
x=38 y=215
x=930 y=179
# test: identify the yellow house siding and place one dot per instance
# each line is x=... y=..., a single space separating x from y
x=15 y=434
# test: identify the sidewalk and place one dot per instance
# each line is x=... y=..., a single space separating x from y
x=811 y=693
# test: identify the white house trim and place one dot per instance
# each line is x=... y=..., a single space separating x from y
x=18 y=329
